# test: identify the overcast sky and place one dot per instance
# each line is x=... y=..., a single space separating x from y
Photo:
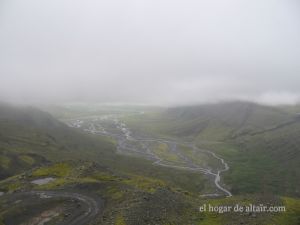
x=150 y=51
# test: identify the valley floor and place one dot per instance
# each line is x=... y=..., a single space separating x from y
x=165 y=153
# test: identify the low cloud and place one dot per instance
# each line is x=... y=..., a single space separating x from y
x=153 y=52
x=279 y=98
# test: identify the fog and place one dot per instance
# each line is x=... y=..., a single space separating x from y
x=166 y=52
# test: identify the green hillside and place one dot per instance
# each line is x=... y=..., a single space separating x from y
x=29 y=131
x=213 y=122
x=260 y=143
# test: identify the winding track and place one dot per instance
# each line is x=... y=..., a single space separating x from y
x=91 y=205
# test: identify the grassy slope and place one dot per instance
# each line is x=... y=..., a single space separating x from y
x=212 y=122
x=277 y=152
x=137 y=199
x=133 y=199
x=260 y=143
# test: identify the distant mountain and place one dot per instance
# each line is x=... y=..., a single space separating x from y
x=224 y=120
x=267 y=139
x=261 y=143
x=274 y=153
x=28 y=136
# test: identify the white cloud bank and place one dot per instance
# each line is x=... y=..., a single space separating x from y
x=155 y=52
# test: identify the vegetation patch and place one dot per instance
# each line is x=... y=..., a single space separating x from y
x=27 y=159
x=105 y=176
x=12 y=185
x=120 y=220
x=4 y=161
x=144 y=183
x=114 y=192
x=162 y=151
x=292 y=214
x=59 y=170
